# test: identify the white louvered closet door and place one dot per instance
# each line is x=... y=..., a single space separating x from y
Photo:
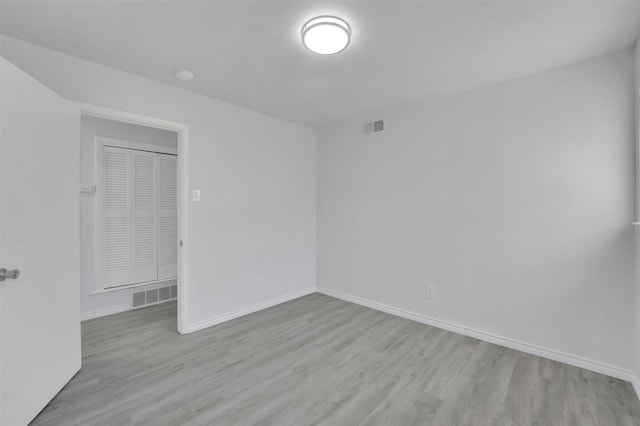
x=145 y=256
x=167 y=220
x=117 y=250
x=139 y=202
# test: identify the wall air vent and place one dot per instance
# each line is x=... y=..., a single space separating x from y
x=373 y=127
x=154 y=296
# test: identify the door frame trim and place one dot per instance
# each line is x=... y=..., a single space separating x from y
x=183 y=190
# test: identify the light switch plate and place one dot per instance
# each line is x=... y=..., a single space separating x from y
x=196 y=195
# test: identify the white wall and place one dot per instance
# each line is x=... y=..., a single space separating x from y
x=92 y=305
x=514 y=200
x=256 y=174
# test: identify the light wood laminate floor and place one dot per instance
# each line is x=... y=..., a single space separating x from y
x=321 y=361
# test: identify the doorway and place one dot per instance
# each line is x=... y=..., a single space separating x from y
x=145 y=137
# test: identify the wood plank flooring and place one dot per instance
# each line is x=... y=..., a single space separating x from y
x=321 y=361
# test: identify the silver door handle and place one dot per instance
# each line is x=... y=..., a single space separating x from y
x=12 y=274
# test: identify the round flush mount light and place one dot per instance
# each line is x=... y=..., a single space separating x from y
x=184 y=75
x=326 y=35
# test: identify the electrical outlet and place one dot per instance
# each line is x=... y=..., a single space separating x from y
x=431 y=292
x=259 y=281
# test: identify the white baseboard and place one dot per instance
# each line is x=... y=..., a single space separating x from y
x=636 y=383
x=104 y=312
x=577 y=361
x=248 y=310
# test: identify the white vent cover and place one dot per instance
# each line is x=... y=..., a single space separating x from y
x=373 y=127
x=154 y=296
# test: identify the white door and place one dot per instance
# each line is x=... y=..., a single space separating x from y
x=168 y=216
x=39 y=236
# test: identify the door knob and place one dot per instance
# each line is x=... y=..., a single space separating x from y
x=12 y=274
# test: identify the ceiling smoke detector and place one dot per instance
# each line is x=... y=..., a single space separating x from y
x=326 y=35
x=184 y=75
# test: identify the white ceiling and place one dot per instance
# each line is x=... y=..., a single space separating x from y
x=250 y=53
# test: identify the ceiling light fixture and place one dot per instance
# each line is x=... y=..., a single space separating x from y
x=184 y=75
x=326 y=35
